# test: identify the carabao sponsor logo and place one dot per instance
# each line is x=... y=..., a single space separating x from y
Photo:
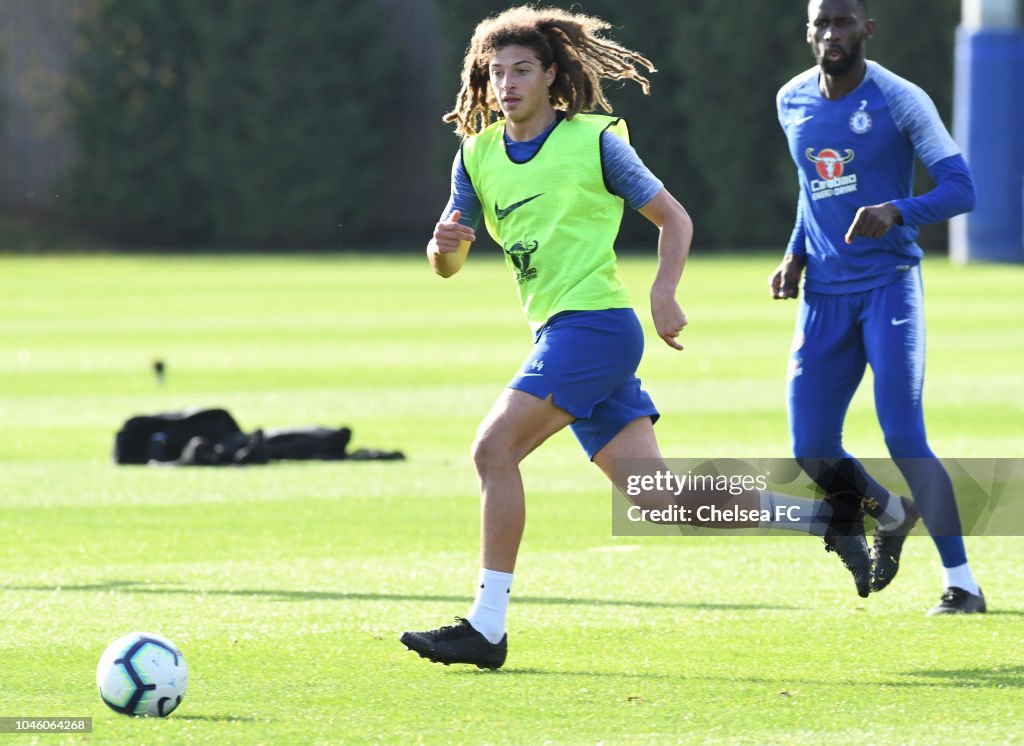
x=519 y=254
x=831 y=167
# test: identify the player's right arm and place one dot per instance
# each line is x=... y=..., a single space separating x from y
x=449 y=245
x=785 y=281
x=456 y=230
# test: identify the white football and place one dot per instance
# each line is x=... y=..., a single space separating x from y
x=142 y=674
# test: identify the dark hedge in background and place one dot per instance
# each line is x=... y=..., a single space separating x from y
x=257 y=123
x=232 y=121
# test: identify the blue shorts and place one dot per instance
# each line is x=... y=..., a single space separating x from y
x=837 y=337
x=586 y=361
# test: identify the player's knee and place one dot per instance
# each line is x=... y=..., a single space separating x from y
x=904 y=443
x=491 y=452
x=817 y=445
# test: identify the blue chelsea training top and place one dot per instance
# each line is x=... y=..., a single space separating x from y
x=859 y=150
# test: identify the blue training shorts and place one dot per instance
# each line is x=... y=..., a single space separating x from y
x=587 y=361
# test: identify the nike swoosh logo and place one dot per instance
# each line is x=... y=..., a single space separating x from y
x=801 y=120
x=900 y=322
x=504 y=212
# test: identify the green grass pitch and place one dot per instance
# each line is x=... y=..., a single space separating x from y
x=286 y=586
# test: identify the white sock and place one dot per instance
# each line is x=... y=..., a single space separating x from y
x=795 y=513
x=959 y=577
x=892 y=515
x=491 y=605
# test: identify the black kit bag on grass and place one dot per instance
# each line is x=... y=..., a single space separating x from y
x=163 y=437
x=307 y=443
x=261 y=446
x=211 y=437
x=320 y=444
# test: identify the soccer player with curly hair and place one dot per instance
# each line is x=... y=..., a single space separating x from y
x=550 y=181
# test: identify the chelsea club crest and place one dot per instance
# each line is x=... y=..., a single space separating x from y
x=860 y=120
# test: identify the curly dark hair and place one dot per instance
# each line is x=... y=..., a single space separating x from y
x=572 y=41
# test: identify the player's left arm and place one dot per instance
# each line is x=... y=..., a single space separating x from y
x=953 y=194
x=628 y=177
x=676 y=233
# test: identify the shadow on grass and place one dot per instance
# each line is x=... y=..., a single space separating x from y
x=1002 y=677
x=514 y=671
x=128 y=586
x=998 y=677
x=1005 y=612
x=217 y=718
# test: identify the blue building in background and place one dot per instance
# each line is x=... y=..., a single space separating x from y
x=988 y=123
